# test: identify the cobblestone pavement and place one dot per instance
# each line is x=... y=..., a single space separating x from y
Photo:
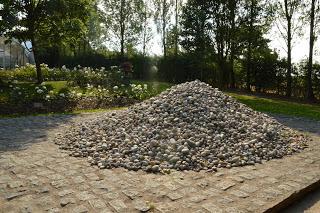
x=35 y=176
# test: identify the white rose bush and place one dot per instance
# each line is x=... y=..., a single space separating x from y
x=107 y=87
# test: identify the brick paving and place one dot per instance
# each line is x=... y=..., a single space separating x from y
x=35 y=176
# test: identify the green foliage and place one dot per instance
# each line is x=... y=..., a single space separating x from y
x=84 y=77
x=44 y=23
x=28 y=73
x=124 y=20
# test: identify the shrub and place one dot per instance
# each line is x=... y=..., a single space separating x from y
x=83 y=77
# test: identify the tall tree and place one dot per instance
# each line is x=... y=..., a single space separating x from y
x=255 y=23
x=95 y=30
x=314 y=11
x=146 y=28
x=233 y=10
x=40 y=21
x=162 y=19
x=177 y=10
x=123 y=22
x=288 y=10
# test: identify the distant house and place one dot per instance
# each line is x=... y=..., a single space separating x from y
x=13 y=54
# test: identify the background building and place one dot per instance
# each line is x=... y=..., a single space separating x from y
x=13 y=54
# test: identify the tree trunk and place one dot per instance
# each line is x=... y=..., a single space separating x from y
x=122 y=28
x=164 y=27
x=289 y=60
x=232 y=52
x=249 y=55
x=36 y=61
x=145 y=31
x=310 y=95
x=176 y=31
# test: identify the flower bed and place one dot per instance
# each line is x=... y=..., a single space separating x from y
x=81 y=88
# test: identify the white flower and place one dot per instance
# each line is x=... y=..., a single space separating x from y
x=64 y=67
x=39 y=91
x=43 y=83
x=10 y=86
x=145 y=86
x=16 y=66
x=115 y=88
x=36 y=88
x=19 y=93
x=47 y=96
x=62 y=94
x=51 y=91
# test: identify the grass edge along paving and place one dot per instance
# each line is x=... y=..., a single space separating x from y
x=277 y=106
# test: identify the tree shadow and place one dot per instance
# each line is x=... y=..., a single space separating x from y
x=309 y=201
x=299 y=123
x=21 y=132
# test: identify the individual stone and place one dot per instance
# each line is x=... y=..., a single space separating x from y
x=14 y=195
x=66 y=201
x=118 y=205
x=174 y=196
x=239 y=194
x=249 y=188
x=84 y=196
x=132 y=194
x=212 y=208
x=65 y=192
x=97 y=204
x=141 y=205
x=80 y=209
x=225 y=184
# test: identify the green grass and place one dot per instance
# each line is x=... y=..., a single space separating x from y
x=278 y=106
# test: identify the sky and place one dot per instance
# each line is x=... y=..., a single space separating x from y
x=300 y=49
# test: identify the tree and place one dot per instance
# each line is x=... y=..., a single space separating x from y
x=95 y=30
x=287 y=12
x=314 y=11
x=44 y=21
x=146 y=29
x=254 y=24
x=177 y=10
x=123 y=22
x=233 y=11
x=162 y=19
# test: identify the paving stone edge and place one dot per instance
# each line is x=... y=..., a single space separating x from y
x=291 y=199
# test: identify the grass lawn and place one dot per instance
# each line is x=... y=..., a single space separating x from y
x=278 y=106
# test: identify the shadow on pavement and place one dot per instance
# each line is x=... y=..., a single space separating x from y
x=301 y=124
x=19 y=133
x=310 y=203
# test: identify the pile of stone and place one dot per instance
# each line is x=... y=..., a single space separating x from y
x=191 y=126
